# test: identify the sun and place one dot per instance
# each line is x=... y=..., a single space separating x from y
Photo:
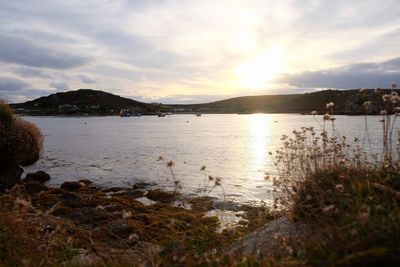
x=256 y=72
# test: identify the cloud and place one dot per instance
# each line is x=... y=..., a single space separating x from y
x=86 y=79
x=14 y=90
x=186 y=50
x=392 y=65
x=24 y=52
x=180 y=99
x=59 y=86
x=360 y=75
x=11 y=85
x=27 y=72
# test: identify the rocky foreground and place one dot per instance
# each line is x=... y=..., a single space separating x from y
x=83 y=224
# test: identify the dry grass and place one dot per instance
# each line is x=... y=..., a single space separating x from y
x=6 y=115
x=20 y=141
x=348 y=197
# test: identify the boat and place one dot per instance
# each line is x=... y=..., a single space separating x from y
x=198 y=114
x=161 y=114
x=125 y=113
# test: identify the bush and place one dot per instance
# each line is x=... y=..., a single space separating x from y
x=20 y=141
x=6 y=115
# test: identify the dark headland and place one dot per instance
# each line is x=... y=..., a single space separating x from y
x=95 y=102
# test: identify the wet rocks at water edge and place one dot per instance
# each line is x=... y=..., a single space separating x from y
x=114 y=220
x=161 y=196
x=39 y=176
x=35 y=182
x=142 y=185
x=74 y=185
x=134 y=194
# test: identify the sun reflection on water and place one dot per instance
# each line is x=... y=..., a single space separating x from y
x=260 y=127
x=262 y=130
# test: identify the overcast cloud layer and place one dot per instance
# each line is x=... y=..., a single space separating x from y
x=189 y=51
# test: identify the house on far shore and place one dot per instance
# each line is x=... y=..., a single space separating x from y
x=177 y=110
x=68 y=107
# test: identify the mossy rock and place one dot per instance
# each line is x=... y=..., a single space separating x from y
x=161 y=196
x=131 y=194
x=39 y=176
x=71 y=186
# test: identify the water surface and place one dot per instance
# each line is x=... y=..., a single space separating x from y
x=114 y=151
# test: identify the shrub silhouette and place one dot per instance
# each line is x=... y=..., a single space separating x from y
x=20 y=145
x=6 y=115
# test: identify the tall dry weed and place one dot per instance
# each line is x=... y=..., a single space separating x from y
x=348 y=196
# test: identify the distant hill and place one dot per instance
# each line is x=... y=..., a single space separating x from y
x=94 y=102
x=83 y=101
x=346 y=102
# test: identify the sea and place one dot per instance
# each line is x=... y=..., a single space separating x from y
x=119 y=152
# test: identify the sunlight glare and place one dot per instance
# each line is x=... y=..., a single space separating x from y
x=259 y=128
x=256 y=72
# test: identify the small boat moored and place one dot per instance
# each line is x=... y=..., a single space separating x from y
x=125 y=113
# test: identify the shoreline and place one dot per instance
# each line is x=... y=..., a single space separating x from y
x=99 y=224
x=194 y=113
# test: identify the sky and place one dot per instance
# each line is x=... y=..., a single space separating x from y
x=189 y=51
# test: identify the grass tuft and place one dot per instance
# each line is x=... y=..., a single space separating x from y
x=348 y=197
x=6 y=114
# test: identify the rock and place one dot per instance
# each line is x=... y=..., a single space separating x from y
x=33 y=187
x=114 y=189
x=267 y=237
x=39 y=176
x=161 y=196
x=131 y=194
x=142 y=185
x=9 y=176
x=72 y=186
x=86 y=182
x=90 y=216
x=227 y=205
